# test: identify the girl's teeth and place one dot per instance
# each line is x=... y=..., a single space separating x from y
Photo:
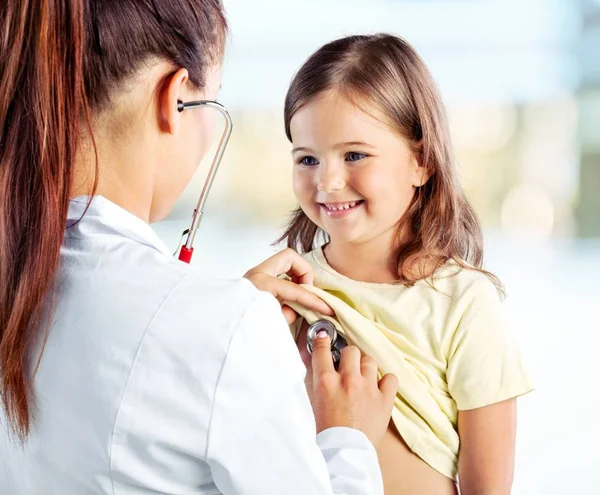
x=341 y=207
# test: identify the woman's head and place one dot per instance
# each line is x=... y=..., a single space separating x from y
x=367 y=124
x=74 y=75
x=140 y=58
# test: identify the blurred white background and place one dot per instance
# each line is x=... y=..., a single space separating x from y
x=521 y=79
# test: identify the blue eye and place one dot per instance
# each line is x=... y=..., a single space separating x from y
x=309 y=160
x=354 y=156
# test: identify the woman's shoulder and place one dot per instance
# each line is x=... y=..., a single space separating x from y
x=199 y=299
x=186 y=365
x=190 y=335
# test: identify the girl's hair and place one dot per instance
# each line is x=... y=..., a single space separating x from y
x=385 y=72
x=60 y=62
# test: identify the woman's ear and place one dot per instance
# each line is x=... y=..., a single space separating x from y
x=169 y=96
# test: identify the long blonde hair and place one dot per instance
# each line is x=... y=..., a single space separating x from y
x=385 y=71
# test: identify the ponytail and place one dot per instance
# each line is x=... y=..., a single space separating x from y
x=42 y=105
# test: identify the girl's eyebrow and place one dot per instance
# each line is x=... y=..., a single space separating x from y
x=301 y=148
x=345 y=144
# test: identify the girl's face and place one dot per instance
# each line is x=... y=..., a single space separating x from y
x=353 y=176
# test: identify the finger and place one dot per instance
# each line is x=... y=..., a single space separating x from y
x=290 y=315
x=388 y=386
x=350 y=360
x=297 y=267
x=368 y=368
x=322 y=361
x=284 y=290
x=289 y=262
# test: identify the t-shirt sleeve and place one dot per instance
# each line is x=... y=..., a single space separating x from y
x=484 y=362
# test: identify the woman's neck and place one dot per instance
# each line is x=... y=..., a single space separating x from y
x=123 y=177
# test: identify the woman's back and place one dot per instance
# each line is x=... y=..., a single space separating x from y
x=125 y=386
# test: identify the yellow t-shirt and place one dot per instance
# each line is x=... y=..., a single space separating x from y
x=448 y=346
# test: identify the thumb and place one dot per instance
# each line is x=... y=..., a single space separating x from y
x=388 y=386
x=290 y=315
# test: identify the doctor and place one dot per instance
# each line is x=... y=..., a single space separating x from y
x=123 y=370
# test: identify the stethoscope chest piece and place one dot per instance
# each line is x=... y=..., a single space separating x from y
x=337 y=341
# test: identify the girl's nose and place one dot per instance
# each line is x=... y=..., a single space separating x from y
x=331 y=178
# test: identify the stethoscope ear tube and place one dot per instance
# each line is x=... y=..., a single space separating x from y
x=187 y=249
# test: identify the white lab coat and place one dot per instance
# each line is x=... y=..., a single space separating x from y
x=157 y=379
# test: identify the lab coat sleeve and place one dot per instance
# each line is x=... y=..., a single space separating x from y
x=262 y=434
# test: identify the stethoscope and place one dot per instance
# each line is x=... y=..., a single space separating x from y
x=337 y=341
x=186 y=250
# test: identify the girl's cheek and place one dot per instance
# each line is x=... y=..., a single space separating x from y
x=302 y=185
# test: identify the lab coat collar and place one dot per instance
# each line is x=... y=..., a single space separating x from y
x=105 y=217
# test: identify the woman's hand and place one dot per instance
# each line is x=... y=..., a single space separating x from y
x=353 y=396
x=350 y=397
x=289 y=262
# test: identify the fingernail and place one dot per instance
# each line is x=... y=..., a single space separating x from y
x=322 y=334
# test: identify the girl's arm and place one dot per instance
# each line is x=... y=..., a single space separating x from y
x=487 y=449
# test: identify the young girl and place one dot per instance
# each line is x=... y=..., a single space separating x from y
x=376 y=180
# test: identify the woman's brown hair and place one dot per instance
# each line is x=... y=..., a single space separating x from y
x=60 y=63
x=384 y=71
